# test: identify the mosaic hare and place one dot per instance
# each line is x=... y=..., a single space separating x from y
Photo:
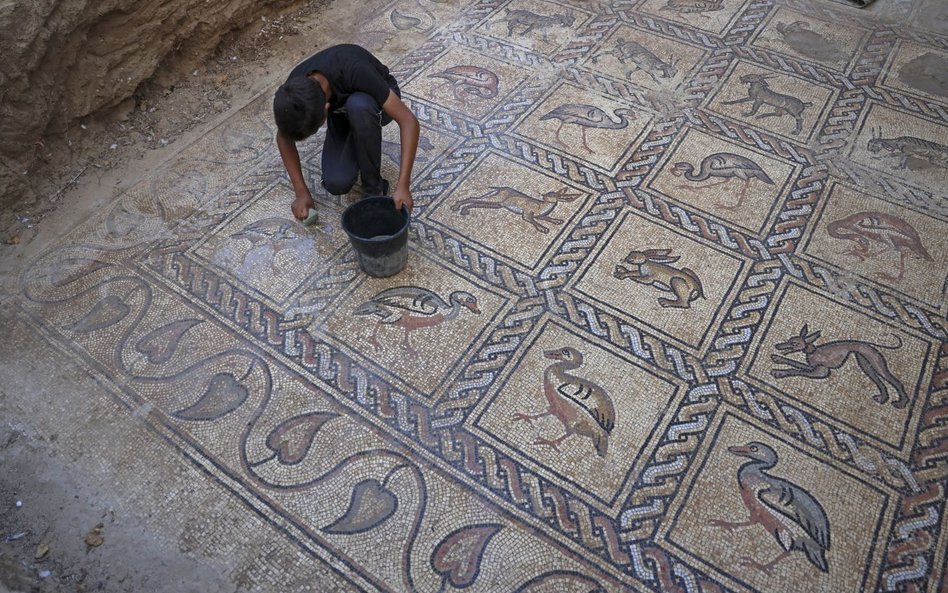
x=651 y=267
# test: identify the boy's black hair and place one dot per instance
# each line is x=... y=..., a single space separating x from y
x=299 y=107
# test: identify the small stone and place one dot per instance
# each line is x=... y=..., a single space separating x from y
x=41 y=551
x=94 y=538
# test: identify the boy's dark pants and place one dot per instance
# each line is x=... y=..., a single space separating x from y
x=354 y=145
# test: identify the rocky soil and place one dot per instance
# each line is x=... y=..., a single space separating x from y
x=117 y=94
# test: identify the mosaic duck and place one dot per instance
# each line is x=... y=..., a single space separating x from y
x=582 y=406
x=788 y=512
x=412 y=308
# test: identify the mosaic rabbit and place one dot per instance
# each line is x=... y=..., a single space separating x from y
x=651 y=268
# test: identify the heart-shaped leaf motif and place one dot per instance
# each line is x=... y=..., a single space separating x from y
x=71 y=269
x=292 y=439
x=159 y=344
x=223 y=395
x=371 y=504
x=191 y=182
x=105 y=313
x=458 y=556
x=123 y=220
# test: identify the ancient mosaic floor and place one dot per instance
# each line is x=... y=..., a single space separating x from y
x=674 y=319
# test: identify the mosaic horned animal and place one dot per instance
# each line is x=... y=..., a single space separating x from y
x=761 y=94
x=821 y=360
x=651 y=267
x=909 y=148
x=642 y=58
x=533 y=210
x=525 y=21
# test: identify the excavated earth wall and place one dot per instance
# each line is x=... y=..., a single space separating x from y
x=67 y=59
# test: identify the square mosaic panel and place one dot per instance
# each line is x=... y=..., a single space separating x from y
x=536 y=24
x=467 y=82
x=830 y=44
x=918 y=68
x=750 y=535
x=813 y=349
x=895 y=143
x=654 y=62
x=883 y=243
x=712 y=16
x=670 y=282
x=796 y=105
x=621 y=408
x=531 y=206
x=724 y=179
x=585 y=125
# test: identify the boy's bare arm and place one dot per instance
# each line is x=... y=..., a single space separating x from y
x=408 y=133
x=291 y=161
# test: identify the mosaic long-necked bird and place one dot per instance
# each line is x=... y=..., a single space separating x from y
x=582 y=406
x=724 y=167
x=788 y=512
x=412 y=308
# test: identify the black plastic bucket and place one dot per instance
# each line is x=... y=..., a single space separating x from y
x=379 y=235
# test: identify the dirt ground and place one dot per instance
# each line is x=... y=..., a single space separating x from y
x=58 y=531
x=60 y=534
x=102 y=155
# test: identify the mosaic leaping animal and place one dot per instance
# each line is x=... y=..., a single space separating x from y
x=788 y=512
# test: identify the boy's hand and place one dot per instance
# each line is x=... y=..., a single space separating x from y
x=302 y=204
x=402 y=197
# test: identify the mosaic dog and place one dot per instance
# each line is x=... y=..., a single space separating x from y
x=823 y=359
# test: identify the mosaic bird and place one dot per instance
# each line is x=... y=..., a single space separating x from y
x=588 y=116
x=412 y=308
x=788 y=512
x=890 y=232
x=470 y=81
x=268 y=238
x=724 y=166
x=582 y=406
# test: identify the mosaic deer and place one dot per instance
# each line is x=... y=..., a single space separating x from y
x=533 y=210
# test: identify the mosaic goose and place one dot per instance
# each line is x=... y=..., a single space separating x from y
x=724 y=166
x=582 y=406
x=788 y=512
x=412 y=308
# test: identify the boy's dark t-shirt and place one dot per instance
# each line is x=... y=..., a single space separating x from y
x=349 y=69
